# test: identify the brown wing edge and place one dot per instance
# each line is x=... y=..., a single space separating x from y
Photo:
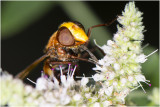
x=27 y=70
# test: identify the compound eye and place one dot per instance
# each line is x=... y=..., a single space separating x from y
x=65 y=37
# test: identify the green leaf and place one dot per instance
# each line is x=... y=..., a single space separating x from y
x=138 y=97
x=16 y=15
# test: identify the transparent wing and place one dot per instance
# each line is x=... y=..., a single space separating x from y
x=27 y=70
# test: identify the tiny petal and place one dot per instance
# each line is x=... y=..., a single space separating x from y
x=133 y=24
x=65 y=100
x=88 y=95
x=96 y=104
x=107 y=49
x=70 y=81
x=126 y=39
x=84 y=81
x=116 y=66
x=110 y=42
x=41 y=84
x=63 y=79
x=98 y=77
x=108 y=91
x=28 y=89
x=121 y=71
x=77 y=97
x=116 y=36
x=50 y=84
x=56 y=82
x=111 y=75
x=106 y=103
x=140 y=77
x=141 y=58
x=115 y=83
x=97 y=68
x=101 y=62
x=123 y=81
x=130 y=78
x=101 y=92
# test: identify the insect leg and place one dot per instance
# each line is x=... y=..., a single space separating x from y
x=92 y=50
x=83 y=59
x=90 y=53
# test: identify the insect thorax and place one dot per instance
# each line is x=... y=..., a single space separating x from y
x=63 y=53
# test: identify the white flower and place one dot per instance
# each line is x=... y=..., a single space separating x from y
x=88 y=95
x=45 y=104
x=123 y=81
x=126 y=91
x=84 y=81
x=77 y=97
x=56 y=83
x=116 y=66
x=65 y=100
x=121 y=71
x=41 y=101
x=130 y=78
x=107 y=103
x=101 y=92
x=140 y=78
x=115 y=83
x=101 y=61
x=86 y=89
x=108 y=91
x=49 y=97
x=63 y=80
x=107 y=83
x=70 y=81
x=50 y=85
x=133 y=23
x=141 y=58
x=111 y=75
x=105 y=62
x=110 y=42
x=96 y=104
x=28 y=89
x=41 y=84
x=94 y=99
x=97 y=68
x=107 y=49
x=29 y=100
x=121 y=64
x=121 y=96
x=108 y=60
x=116 y=36
x=98 y=77
x=126 y=39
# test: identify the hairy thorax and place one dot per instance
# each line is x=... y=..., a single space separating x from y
x=61 y=53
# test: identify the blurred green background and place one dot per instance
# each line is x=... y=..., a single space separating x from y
x=27 y=25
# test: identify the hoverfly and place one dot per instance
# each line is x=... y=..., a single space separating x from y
x=64 y=47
